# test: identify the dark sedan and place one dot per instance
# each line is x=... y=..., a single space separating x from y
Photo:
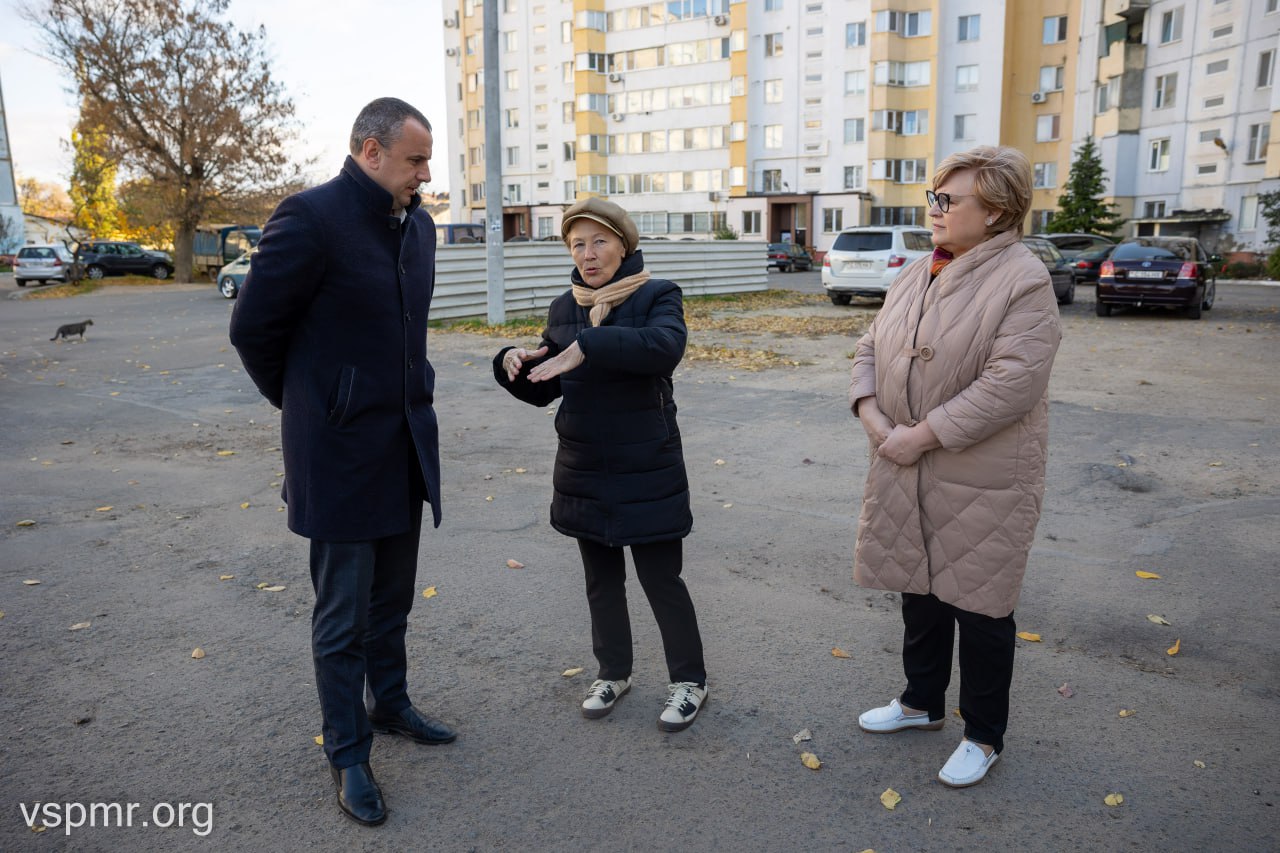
x=1174 y=272
x=1087 y=264
x=789 y=256
x=1064 y=280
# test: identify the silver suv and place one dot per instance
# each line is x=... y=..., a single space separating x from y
x=865 y=260
x=42 y=263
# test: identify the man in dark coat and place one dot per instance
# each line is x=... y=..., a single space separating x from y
x=331 y=325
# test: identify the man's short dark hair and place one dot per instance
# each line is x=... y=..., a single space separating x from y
x=383 y=120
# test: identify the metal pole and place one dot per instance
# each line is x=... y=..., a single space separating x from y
x=493 y=166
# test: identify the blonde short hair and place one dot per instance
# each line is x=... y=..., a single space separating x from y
x=1001 y=181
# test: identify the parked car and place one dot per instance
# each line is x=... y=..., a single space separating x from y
x=1064 y=278
x=864 y=261
x=1087 y=264
x=231 y=277
x=1175 y=272
x=1073 y=245
x=789 y=256
x=52 y=262
x=113 y=257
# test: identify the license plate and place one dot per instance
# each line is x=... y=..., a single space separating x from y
x=1146 y=274
x=857 y=265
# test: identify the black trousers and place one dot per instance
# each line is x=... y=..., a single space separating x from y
x=364 y=591
x=986 y=664
x=658 y=567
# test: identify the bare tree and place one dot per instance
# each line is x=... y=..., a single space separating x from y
x=186 y=101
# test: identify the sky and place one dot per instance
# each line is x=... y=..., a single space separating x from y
x=332 y=58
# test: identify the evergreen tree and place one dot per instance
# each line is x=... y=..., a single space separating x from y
x=1080 y=207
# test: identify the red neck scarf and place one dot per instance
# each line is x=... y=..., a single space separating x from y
x=941 y=257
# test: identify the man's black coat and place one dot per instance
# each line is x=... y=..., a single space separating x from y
x=331 y=325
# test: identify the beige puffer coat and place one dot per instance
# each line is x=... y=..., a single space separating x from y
x=970 y=352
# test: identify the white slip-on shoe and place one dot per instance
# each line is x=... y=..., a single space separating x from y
x=682 y=706
x=891 y=719
x=966 y=766
x=602 y=696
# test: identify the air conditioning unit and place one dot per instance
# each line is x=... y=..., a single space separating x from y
x=615 y=78
x=450 y=23
x=619 y=116
x=1037 y=97
x=451 y=51
x=721 y=20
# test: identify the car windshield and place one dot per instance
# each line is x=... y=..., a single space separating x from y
x=864 y=241
x=1153 y=252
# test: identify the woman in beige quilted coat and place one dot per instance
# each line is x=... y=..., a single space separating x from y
x=950 y=384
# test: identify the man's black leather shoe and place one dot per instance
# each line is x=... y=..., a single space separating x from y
x=414 y=725
x=359 y=796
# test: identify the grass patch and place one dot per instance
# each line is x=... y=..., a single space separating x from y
x=740 y=359
x=89 y=285
x=759 y=300
x=524 y=326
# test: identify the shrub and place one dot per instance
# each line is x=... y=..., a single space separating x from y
x=1241 y=269
x=1273 y=264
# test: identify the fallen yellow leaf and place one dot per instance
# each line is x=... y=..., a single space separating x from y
x=1147 y=576
x=488 y=497
x=244 y=505
x=31 y=582
x=1127 y=712
x=106 y=508
x=319 y=739
x=26 y=522
x=226 y=453
x=114 y=394
x=276 y=588
x=720 y=462
x=262 y=585
x=80 y=626
x=728 y=506
x=1159 y=620
x=1175 y=648
x=808 y=759
x=198 y=653
x=957 y=713
x=839 y=653
x=1198 y=763
x=1 y=614
x=890 y=798
x=1215 y=464
x=429 y=592
x=514 y=564
x=1113 y=799
x=1029 y=637
x=521 y=471
x=226 y=577
x=39 y=828
x=572 y=671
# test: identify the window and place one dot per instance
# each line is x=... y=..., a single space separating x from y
x=750 y=222
x=1206 y=168
x=1266 y=68
x=1108 y=95
x=1271 y=6
x=513 y=117
x=1045 y=176
x=899 y=171
x=1159 y=159
x=513 y=155
x=1055 y=29
x=1047 y=128
x=566 y=32
x=1153 y=210
x=1218 y=67
x=1166 y=91
x=853 y=177
x=567 y=111
x=1259 y=137
x=1051 y=77
x=477 y=193
x=854 y=130
x=855 y=34
x=1171 y=26
x=966 y=78
x=1215 y=101
x=773 y=91
x=570 y=151
x=897 y=215
x=969 y=28
x=1248 y=213
x=965 y=126
x=1221 y=32
x=905 y=24
x=855 y=82
x=773 y=44
x=510 y=43
x=1210 y=135
x=513 y=194
x=832 y=219
x=771 y=180
x=901 y=73
x=773 y=5
x=773 y=136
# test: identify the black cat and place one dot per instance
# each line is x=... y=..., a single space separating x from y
x=71 y=329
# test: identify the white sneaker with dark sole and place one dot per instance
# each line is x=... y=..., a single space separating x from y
x=891 y=719
x=602 y=696
x=968 y=765
x=682 y=706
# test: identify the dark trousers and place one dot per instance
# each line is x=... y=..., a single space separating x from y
x=658 y=567
x=986 y=664
x=364 y=591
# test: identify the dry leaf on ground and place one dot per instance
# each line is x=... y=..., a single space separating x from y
x=226 y=453
x=808 y=759
x=720 y=462
x=890 y=798
x=1175 y=648
x=80 y=626
x=226 y=577
x=197 y=653
x=514 y=564
x=1147 y=576
x=26 y=522
x=572 y=671
x=802 y=735
x=1199 y=763
x=840 y=653
x=1066 y=691
x=1159 y=620
x=262 y=585
x=106 y=508
x=1029 y=637
x=31 y=582
x=319 y=739
x=276 y=588
x=1127 y=712
x=244 y=505
x=429 y=592
x=1113 y=799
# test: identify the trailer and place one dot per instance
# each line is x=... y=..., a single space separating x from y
x=218 y=245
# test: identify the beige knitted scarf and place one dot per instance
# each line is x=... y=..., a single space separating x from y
x=603 y=299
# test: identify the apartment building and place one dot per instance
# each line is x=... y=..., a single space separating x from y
x=792 y=119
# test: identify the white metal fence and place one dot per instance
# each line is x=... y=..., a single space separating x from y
x=536 y=273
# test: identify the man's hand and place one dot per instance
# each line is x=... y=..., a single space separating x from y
x=515 y=358
x=905 y=445
x=567 y=360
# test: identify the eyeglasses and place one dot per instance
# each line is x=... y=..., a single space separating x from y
x=942 y=200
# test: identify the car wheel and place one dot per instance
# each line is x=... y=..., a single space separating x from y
x=22 y=282
x=1193 y=311
x=1069 y=296
x=1210 y=293
x=160 y=271
x=228 y=287
x=95 y=272
x=1101 y=308
x=841 y=298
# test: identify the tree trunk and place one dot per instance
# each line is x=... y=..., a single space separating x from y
x=183 y=241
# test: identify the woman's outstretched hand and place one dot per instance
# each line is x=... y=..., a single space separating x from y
x=567 y=360
x=515 y=358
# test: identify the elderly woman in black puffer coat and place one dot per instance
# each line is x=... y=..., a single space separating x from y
x=609 y=349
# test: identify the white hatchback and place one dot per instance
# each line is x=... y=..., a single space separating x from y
x=865 y=260
x=42 y=263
